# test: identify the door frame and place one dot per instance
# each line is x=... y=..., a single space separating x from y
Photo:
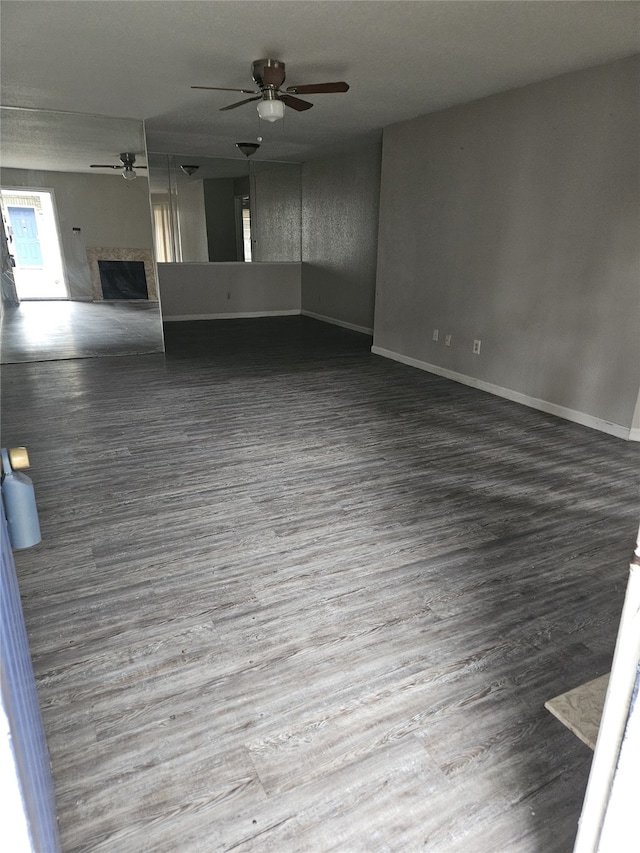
x=56 y=222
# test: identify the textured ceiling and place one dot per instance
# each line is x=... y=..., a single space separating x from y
x=66 y=142
x=402 y=59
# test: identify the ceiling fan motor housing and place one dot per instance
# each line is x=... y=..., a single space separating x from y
x=268 y=73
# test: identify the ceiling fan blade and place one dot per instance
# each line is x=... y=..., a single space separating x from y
x=296 y=103
x=225 y=89
x=318 y=88
x=273 y=75
x=240 y=103
x=111 y=166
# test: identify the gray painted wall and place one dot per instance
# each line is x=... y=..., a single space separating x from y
x=275 y=211
x=635 y=423
x=191 y=291
x=340 y=197
x=110 y=212
x=515 y=220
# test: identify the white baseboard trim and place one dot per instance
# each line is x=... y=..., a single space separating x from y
x=289 y=312
x=515 y=396
x=362 y=329
x=238 y=315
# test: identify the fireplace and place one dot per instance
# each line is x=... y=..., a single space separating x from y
x=123 y=280
x=125 y=274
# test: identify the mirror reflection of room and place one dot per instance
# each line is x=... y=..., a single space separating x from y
x=209 y=209
x=78 y=273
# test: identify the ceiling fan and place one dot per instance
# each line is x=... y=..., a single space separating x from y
x=269 y=75
x=127 y=164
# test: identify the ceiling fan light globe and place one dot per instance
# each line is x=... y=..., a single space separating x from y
x=129 y=174
x=270 y=110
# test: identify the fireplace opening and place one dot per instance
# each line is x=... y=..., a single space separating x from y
x=123 y=279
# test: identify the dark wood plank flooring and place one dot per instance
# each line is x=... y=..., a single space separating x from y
x=295 y=597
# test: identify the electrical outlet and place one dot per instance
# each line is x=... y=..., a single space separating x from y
x=228 y=294
x=436 y=334
x=476 y=347
x=447 y=340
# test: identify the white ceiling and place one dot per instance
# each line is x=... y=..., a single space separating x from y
x=138 y=58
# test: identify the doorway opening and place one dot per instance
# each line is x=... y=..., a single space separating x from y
x=243 y=227
x=34 y=243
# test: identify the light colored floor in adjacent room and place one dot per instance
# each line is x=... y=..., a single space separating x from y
x=295 y=597
x=580 y=709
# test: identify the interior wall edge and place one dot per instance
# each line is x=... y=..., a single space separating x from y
x=549 y=408
x=335 y=322
x=240 y=315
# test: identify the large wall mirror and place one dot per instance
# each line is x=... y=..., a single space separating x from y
x=208 y=209
x=78 y=270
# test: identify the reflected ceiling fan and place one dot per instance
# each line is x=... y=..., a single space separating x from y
x=127 y=166
x=269 y=75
